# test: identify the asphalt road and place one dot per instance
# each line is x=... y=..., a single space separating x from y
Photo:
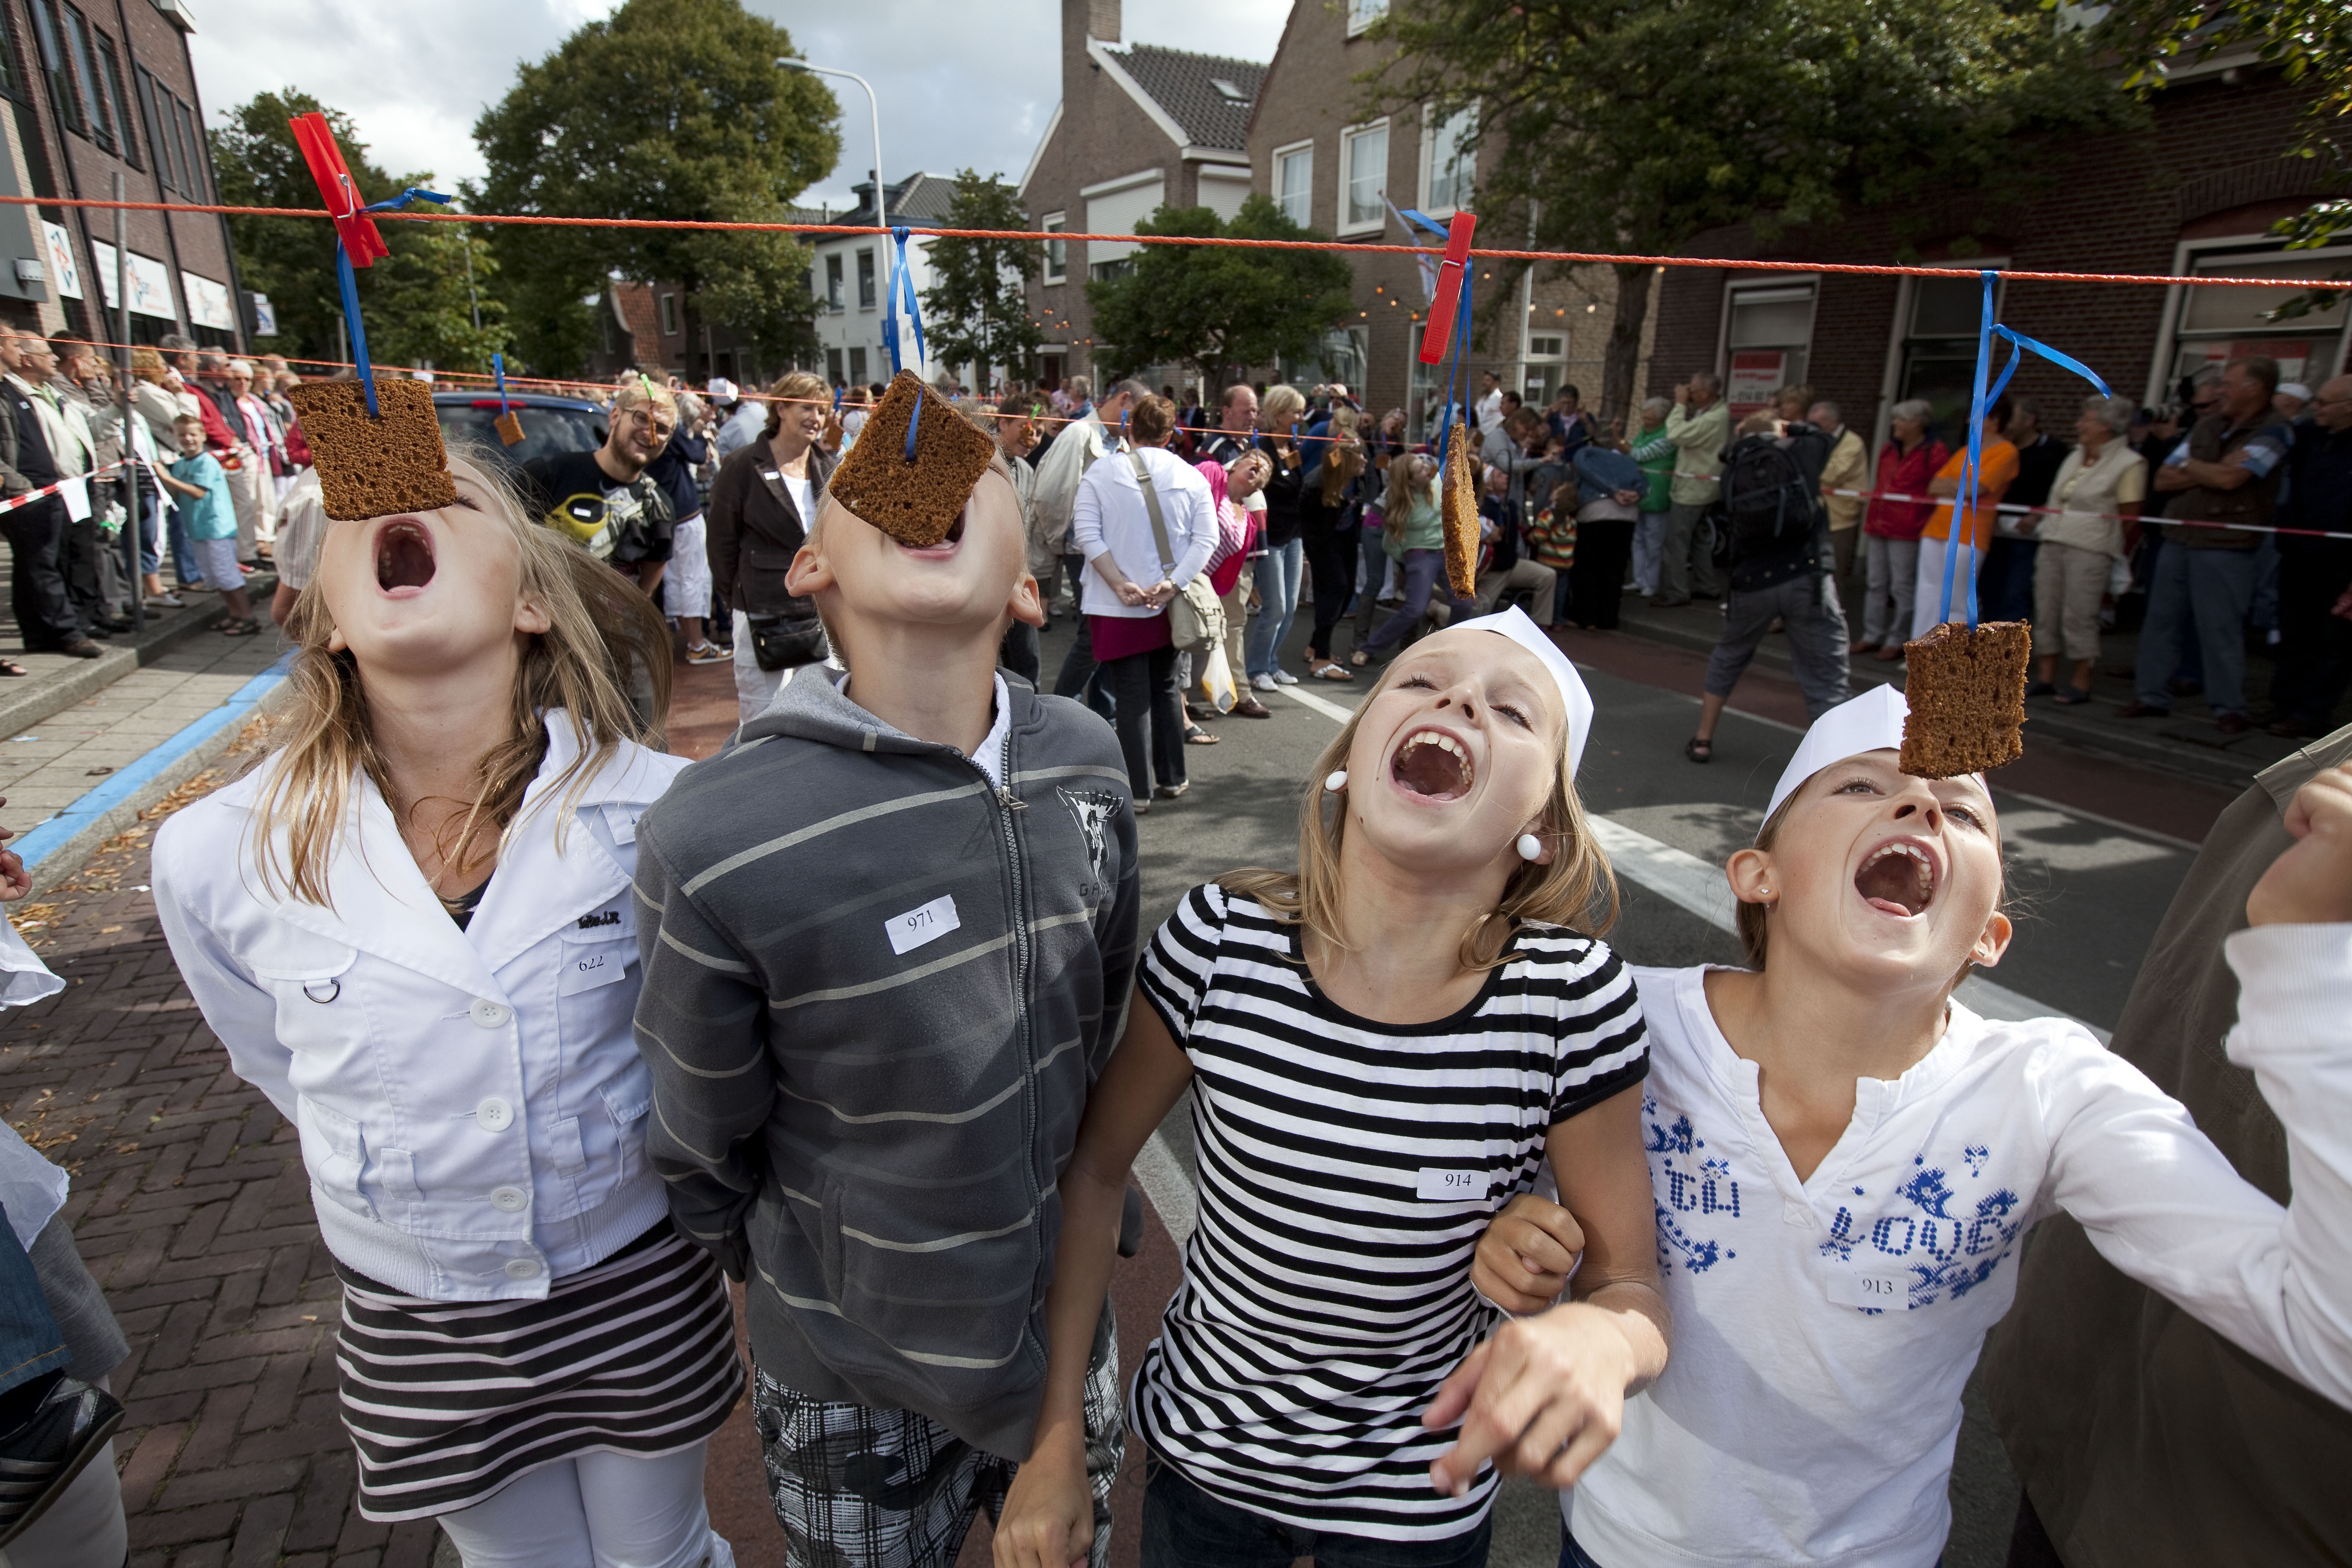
x=2087 y=887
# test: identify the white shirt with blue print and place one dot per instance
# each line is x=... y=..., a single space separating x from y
x=1823 y=1328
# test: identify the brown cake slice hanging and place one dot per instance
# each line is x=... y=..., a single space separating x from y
x=914 y=502
x=1458 y=503
x=375 y=465
x=1967 y=695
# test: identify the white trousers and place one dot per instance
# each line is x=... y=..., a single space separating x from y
x=686 y=591
x=83 y=1528
x=754 y=688
x=596 y=1511
x=1928 y=597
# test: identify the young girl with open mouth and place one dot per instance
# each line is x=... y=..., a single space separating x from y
x=1382 y=1049
x=412 y=927
x=1846 y=1158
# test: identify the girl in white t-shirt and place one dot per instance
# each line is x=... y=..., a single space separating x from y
x=1845 y=1161
x=1381 y=1049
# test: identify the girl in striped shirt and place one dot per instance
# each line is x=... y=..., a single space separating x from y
x=1382 y=1048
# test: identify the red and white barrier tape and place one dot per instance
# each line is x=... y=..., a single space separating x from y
x=2109 y=516
x=30 y=497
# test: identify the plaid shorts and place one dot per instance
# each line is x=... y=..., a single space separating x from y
x=860 y=1488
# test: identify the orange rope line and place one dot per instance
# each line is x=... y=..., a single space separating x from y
x=1339 y=247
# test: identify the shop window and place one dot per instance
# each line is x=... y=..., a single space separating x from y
x=1941 y=319
x=2217 y=325
x=1768 y=339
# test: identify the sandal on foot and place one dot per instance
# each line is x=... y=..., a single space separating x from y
x=247 y=628
x=10 y=668
x=2071 y=696
x=1698 y=750
x=1198 y=737
x=1360 y=658
x=1332 y=670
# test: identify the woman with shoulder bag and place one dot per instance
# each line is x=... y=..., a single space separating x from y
x=1142 y=548
x=766 y=496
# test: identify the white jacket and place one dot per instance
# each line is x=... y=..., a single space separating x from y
x=1111 y=520
x=471 y=1102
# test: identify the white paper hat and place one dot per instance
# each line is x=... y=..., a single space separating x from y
x=2295 y=390
x=1514 y=625
x=1870 y=723
x=722 y=389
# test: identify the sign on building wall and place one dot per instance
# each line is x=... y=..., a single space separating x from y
x=151 y=283
x=64 y=275
x=1755 y=377
x=208 y=303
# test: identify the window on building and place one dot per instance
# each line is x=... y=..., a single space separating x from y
x=53 y=66
x=1294 y=182
x=857 y=366
x=1057 y=252
x=670 y=315
x=1362 y=14
x=833 y=294
x=192 y=150
x=1112 y=272
x=1939 y=348
x=833 y=372
x=118 y=107
x=1448 y=166
x=159 y=130
x=1546 y=370
x=865 y=280
x=1767 y=337
x=1364 y=155
x=2218 y=325
x=85 y=75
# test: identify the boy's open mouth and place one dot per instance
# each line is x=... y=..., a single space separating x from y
x=1434 y=765
x=946 y=546
x=403 y=556
x=1899 y=879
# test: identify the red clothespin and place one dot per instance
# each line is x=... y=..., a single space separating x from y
x=1437 y=338
x=358 y=232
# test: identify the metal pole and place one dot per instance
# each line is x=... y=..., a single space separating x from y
x=133 y=530
x=472 y=298
x=881 y=195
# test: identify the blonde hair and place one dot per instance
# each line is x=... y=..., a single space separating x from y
x=602 y=632
x=1284 y=403
x=1578 y=889
x=796 y=386
x=640 y=389
x=1406 y=479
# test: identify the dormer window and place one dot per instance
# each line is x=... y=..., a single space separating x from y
x=1232 y=94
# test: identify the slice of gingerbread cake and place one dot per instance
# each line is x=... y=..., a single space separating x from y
x=1967 y=695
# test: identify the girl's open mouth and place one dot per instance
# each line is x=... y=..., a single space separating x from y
x=1434 y=766
x=1898 y=879
x=404 y=558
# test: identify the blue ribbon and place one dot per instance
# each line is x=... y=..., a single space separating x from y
x=901 y=282
x=498 y=369
x=1986 y=392
x=348 y=281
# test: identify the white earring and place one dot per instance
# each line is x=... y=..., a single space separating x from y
x=1530 y=847
x=1336 y=781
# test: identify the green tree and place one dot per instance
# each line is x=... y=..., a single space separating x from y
x=670 y=109
x=976 y=311
x=1634 y=127
x=414 y=303
x=1217 y=309
x=2310 y=43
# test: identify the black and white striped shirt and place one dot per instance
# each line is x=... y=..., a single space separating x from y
x=1347 y=1170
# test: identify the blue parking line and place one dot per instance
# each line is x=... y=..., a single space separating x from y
x=49 y=835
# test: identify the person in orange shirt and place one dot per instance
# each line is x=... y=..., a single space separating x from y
x=1996 y=471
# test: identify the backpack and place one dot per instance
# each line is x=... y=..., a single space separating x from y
x=1772 y=506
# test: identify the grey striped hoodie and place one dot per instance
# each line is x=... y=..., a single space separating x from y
x=876 y=991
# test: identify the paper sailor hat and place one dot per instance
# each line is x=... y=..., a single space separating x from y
x=1870 y=723
x=1514 y=625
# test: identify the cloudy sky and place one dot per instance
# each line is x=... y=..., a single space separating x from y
x=961 y=84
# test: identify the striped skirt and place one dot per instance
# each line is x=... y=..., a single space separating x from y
x=449 y=1401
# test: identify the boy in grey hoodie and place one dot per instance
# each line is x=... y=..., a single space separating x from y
x=888 y=936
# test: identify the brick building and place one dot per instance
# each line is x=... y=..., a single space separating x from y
x=93 y=89
x=644 y=326
x=2193 y=192
x=1330 y=167
x=1138 y=127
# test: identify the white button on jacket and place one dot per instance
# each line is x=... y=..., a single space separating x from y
x=471 y=1102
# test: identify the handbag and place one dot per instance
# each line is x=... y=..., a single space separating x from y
x=780 y=642
x=1196 y=618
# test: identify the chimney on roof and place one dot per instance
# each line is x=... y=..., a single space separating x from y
x=1102 y=20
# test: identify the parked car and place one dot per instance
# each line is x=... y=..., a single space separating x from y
x=550 y=424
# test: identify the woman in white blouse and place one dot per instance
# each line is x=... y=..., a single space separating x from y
x=1136 y=564
x=2099 y=487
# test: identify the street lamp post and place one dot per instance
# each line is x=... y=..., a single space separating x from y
x=881 y=195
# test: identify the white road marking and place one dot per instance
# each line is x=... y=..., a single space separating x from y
x=1165 y=1182
x=1331 y=710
